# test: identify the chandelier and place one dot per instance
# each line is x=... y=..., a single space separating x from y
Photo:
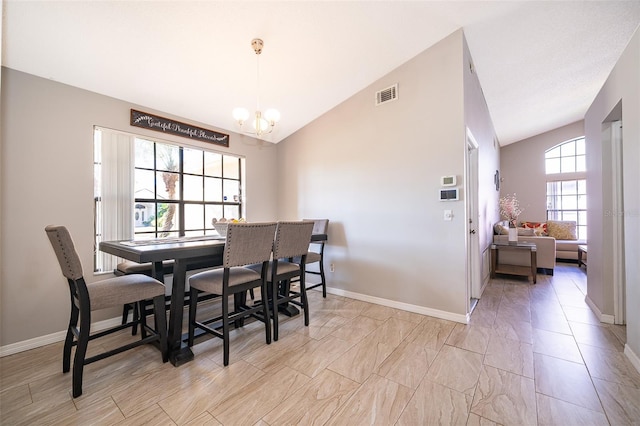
x=263 y=124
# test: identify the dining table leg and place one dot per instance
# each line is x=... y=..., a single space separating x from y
x=157 y=271
x=179 y=352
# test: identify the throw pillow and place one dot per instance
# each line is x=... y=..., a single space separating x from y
x=539 y=228
x=562 y=230
x=499 y=229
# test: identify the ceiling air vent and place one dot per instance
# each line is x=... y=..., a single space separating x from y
x=387 y=95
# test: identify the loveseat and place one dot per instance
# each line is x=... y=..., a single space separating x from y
x=553 y=240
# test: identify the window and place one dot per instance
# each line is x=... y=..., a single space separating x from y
x=568 y=157
x=179 y=190
x=146 y=189
x=565 y=166
x=567 y=200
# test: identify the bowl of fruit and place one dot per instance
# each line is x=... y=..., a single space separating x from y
x=221 y=225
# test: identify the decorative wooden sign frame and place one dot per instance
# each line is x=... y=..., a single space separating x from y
x=165 y=125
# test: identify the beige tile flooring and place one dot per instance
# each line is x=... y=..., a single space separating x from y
x=532 y=354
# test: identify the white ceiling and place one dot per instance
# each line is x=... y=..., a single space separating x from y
x=540 y=63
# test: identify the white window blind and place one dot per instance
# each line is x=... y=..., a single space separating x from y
x=114 y=152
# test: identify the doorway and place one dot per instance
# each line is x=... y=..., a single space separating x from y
x=474 y=284
x=613 y=216
x=614 y=130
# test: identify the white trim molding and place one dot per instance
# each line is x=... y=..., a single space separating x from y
x=605 y=318
x=461 y=318
x=56 y=337
x=633 y=357
x=59 y=336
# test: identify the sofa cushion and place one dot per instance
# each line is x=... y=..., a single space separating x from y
x=539 y=228
x=562 y=230
x=568 y=249
x=525 y=232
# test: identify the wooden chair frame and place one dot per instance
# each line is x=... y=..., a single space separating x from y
x=80 y=335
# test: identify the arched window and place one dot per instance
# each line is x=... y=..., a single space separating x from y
x=567 y=157
x=566 y=167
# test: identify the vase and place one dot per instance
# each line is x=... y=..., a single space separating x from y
x=513 y=234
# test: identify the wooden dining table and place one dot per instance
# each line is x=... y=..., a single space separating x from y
x=182 y=250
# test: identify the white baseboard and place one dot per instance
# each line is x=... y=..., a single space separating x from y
x=102 y=325
x=605 y=318
x=56 y=337
x=400 y=305
x=633 y=357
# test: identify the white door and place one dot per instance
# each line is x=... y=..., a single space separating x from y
x=474 y=284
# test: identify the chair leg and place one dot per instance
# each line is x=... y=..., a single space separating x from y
x=239 y=300
x=193 y=305
x=81 y=352
x=136 y=312
x=274 y=308
x=161 y=325
x=142 y=318
x=303 y=300
x=225 y=327
x=324 y=281
x=125 y=312
x=68 y=341
x=265 y=313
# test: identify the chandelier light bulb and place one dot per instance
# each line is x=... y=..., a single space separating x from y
x=240 y=114
x=272 y=116
x=260 y=125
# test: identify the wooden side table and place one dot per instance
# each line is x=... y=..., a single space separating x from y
x=582 y=261
x=530 y=271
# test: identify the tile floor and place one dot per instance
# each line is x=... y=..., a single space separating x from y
x=532 y=354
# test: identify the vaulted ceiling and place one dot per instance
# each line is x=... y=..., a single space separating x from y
x=540 y=63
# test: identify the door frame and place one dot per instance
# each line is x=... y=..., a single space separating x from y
x=474 y=281
x=617 y=198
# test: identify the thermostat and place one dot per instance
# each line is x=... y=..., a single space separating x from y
x=448 y=181
x=449 y=194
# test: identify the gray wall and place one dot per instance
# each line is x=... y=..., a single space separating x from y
x=623 y=85
x=522 y=168
x=375 y=173
x=478 y=121
x=47 y=178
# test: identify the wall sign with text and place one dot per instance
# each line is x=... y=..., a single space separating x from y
x=165 y=125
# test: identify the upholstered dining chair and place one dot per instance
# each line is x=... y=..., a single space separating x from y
x=246 y=244
x=113 y=292
x=291 y=243
x=316 y=254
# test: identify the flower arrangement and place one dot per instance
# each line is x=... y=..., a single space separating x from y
x=510 y=209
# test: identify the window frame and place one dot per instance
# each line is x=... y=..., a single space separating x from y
x=578 y=148
x=562 y=180
x=180 y=201
x=237 y=204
